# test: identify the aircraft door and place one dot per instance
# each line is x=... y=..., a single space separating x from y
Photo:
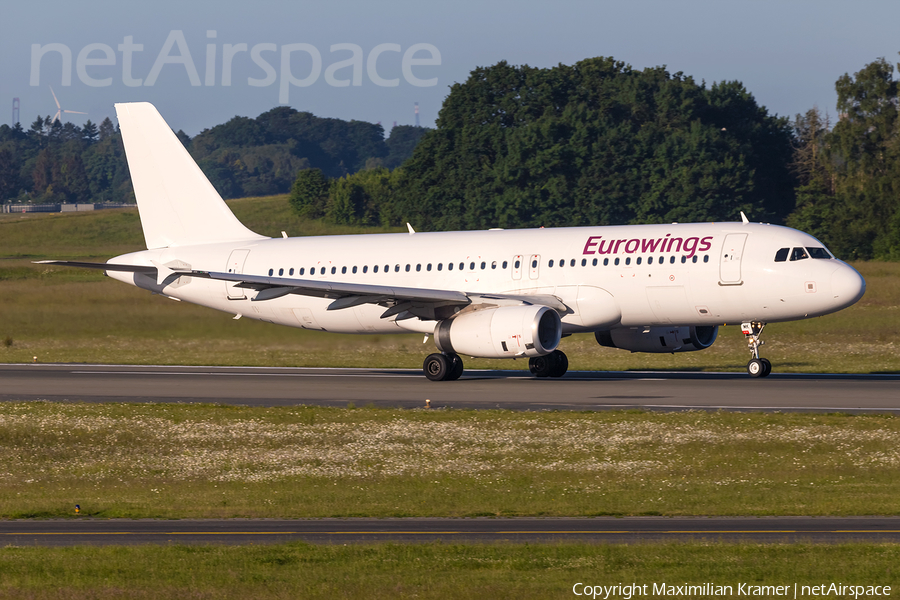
x=730 y=259
x=517 y=266
x=236 y=265
x=534 y=266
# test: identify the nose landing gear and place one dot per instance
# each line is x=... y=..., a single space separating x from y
x=757 y=367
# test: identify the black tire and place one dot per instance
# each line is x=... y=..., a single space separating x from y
x=756 y=368
x=436 y=367
x=560 y=363
x=456 y=367
x=767 y=367
x=541 y=366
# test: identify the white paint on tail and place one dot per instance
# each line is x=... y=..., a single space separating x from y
x=178 y=204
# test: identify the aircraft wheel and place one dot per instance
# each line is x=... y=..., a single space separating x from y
x=436 y=367
x=541 y=366
x=756 y=368
x=767 y=367
x=560 y=363
x=456 y=367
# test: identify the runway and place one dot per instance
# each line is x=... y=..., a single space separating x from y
x=480 y=530
x=514 y=390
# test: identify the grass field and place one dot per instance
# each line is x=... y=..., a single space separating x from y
x=69 y=315
x=177 y=461
x=427 y=570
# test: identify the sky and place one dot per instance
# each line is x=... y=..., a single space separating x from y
x=373 y=60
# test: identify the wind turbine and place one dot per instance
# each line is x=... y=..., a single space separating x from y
x=59 y=110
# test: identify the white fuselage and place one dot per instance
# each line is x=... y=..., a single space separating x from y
x=608 y=277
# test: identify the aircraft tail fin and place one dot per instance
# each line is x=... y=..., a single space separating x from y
x=177 y=203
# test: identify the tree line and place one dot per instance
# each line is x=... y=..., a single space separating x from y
x=593 y=143
x=56 y=162
x=600 y=143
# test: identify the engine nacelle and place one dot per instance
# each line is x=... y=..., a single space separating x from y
x=659 y=339
x=503 y=332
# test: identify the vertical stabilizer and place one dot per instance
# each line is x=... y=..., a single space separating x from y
x=177 y=203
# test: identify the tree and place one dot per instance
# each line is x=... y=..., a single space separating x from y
x=89 y=133
x=309 y=193
x=849 y=178
x=595 y=143
x=9 y=175
x=107 y=129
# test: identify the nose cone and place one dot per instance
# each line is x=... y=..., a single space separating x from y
x=847 y=286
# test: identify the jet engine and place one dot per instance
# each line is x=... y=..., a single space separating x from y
x=659 y=339
x=502 y=332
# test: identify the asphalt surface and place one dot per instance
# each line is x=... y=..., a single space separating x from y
x=480 y=530
x=477 y=389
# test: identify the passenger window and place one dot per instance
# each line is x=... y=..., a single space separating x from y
x=782 y=254
x=798 y=254
x=683 y=259
x=418 y=268
x=617 y=262
x=471 y=266
x=365 y=268
x=550 y=264
x=494 y=264
x=562 y=262
x=387 y=268
x=302 y=270
x=271 y=272
x=483 y=265
x=583 y=262
x=638 y=261
x=375 y=269
x=628 y=260
x=291 y=272
x=693 y=259
x=280 y=272
x=518 y=264
x=449 y=266
x=343 y=270
x=671 y=260
x=333 y=270
x=649 y=260
x=594 y=262
x=605 y=262
x=818 y=253
x=706 y=258
x=440 y=266
x=407 y=268
x=354 y=269
x=505 y=264
x=428 y=267
x=463 y=266
x=534 y=264
x=572 y=263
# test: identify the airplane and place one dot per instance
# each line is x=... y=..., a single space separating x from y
x=489 y=294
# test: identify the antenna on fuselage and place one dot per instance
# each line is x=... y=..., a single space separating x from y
x=744 y=218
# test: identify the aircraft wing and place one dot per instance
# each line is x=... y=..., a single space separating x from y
x=406 y=302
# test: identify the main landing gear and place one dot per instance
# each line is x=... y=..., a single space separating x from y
x=443 y=367
x=554 y=364
x=757 y=367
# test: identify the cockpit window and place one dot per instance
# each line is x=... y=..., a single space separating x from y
x=818 y=252
x=782 y=255
x=799 y=254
